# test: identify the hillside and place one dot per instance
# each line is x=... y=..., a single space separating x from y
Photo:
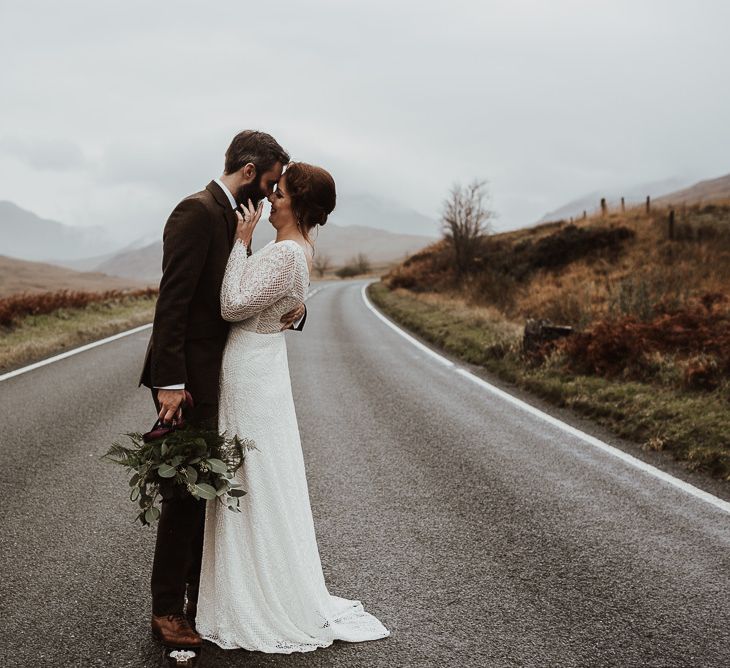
x=24 y=276
x=664 y=193
x=590 y=203
x=712 y=190
x=338 y=242
x=577 y=273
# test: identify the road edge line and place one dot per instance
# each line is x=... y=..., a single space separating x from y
x=74 y=351
x=587 y=438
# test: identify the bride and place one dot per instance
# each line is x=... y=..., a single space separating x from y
x=261 y=584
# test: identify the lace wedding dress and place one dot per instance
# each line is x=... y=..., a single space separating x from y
x=261 y=584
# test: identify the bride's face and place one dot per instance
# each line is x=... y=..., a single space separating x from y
x=281 y=211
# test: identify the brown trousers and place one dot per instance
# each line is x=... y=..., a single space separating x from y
x=179 y=546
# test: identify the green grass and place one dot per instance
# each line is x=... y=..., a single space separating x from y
x=39 y=336
x=693 y=426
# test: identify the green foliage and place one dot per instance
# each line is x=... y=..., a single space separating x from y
x=200 y=462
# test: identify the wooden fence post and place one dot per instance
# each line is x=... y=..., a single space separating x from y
x=648 y=204
x=623 y=205
x=604 y=207
x=671 y=224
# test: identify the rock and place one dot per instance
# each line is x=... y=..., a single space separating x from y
x=538 y=333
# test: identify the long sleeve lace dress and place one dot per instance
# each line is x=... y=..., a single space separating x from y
x=261 y=585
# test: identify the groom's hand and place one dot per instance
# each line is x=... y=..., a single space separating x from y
x=170 y=401
x=288 y=319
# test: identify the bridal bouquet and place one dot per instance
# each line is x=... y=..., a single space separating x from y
x=187 y=459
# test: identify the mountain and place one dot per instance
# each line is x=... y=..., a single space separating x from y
x=704 y=191
x=144 y=263
x=91 y=263
x=632 y=195
x=30 y=237
x=339 y=243
x=25 y=276
x=370 y=211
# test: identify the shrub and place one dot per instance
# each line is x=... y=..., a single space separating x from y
x=15 y=307
x=623 y=346
x=360 y=264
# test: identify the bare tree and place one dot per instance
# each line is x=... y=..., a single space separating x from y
x=321 y=264
x=362 y=263
x=465 y=220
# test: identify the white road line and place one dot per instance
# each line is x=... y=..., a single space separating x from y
x=311 y=293
x=591 y=440
x=75 y=351
x=89 y=346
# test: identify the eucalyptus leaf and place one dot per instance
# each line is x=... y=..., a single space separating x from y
x=134 y=493
x=205 y=491
x=237 y=492
x=134 y=480
x=166 y=471
x=217 y=466
x=192 y=474
x=152 y=514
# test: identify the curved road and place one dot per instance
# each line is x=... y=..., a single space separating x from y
x=480 y=534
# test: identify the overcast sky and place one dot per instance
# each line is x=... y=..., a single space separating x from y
x=113 y=111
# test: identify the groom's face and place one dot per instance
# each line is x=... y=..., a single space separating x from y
x=262 y=186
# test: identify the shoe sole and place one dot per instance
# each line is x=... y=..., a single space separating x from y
x=157 y=636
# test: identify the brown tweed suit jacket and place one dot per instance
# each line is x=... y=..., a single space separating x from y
x=188 y=334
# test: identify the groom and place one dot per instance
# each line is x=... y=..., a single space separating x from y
x=185 y=353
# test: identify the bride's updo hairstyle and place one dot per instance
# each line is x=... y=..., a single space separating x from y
x=312 y=193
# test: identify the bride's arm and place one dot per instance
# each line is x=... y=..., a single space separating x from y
x=253 y=283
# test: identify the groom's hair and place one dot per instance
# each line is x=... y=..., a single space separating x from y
x=257 y=147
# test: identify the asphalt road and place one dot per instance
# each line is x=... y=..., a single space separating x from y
x=478 y=533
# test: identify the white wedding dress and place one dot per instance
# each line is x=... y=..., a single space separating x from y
x=261 y=584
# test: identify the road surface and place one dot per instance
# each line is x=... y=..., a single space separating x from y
x=480 y=534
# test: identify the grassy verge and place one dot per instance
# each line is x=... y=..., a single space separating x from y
x=693 y=426
x=35 y=337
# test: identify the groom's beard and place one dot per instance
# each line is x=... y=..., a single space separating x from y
x=251 y=191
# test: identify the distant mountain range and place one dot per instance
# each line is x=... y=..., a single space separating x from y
x=361 y=224
x=633 y=195
x=25 y=276
x=30 y=237
x=371 y=211
x=334 y=241
x=26 y=236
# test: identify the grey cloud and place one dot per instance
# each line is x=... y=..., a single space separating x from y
x=45 y=154
x=548 y=101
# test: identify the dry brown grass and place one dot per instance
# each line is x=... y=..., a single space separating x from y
x=623 y=278
x=35 y=337
x=15 y=307
x=646 y=306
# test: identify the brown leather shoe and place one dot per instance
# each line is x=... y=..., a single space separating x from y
x=175 y=631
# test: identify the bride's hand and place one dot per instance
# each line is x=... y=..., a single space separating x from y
x=247 y=221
